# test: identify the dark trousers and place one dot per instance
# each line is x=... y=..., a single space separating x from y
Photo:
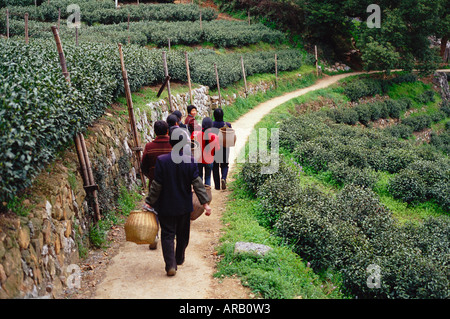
x=174 y=227
x=220 y=166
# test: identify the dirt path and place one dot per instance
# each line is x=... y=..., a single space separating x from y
x=137 y=272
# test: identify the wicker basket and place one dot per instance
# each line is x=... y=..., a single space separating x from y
x=141 y=227
x=198 y=208
x=227 y=137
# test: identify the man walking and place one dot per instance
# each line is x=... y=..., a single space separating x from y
x=171 y=196
x=159 y=146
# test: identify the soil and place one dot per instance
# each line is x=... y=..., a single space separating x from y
x=127 y=270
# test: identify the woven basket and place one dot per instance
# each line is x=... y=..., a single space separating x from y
x=227 y=137
x=198 y=208
x=141 y=227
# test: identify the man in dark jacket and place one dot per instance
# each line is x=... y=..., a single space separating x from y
x=221 y=159
x=159 y=146
x=171 y=196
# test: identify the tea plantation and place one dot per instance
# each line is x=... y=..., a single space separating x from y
x=345 y=183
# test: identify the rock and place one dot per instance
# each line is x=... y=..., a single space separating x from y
x=24 y=237
x=249 y=247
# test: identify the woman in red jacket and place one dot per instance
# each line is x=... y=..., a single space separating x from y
x=207 y=144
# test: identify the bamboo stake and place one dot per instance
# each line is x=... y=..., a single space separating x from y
x=168 y=43
x=218 y=85
x=276 y=71
x=26 y=28
x=166 y=74
x=62 y=59
x=83 y=156
x=81 y=159
x=243 y=73
x=59 y=18
x=317 y=62
x=90 y=176
x=137 y=147
x=76 y=36
x=189 y=77
x=7 y=23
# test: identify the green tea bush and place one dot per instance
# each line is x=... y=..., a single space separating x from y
x=278 y=191
x=104 y=12
x=423 y=180
x=354 y=230
x=40 y=113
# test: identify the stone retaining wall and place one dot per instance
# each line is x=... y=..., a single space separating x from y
x=42 y=240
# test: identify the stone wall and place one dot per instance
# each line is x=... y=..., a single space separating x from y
x=45 y=235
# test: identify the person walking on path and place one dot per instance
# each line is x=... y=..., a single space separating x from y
x=171 y=196
x=221 y=158
x=190 y=118
x=159 y=146
x=208 y=145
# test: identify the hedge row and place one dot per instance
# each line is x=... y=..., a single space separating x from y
x=39 y=113
x=359 y=88
x=351 y=231
x=355 y=155
x=221 y=33
x=104 y=12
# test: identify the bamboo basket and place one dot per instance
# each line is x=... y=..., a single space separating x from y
x=198 y=208
x=227 y=137
x=141 y=227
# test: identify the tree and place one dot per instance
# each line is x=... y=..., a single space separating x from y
x=378 y=56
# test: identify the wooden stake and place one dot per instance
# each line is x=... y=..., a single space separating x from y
x=276 y=71
x=248 y=13
x=243 y=73
x=137 y=147
x=83 y=156
x=218 y=85
x=201 y=26
x=166 y=74
x=189 y=77
x=76 y=36
x=26 y=28
x=62 y=59
x=59 y=18
x=168 y=44
x=317 y=62
x=90 y=175
x=7 y=23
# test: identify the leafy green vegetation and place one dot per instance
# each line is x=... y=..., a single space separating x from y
x=280 y=274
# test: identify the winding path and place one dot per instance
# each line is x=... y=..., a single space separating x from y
x=137 y=272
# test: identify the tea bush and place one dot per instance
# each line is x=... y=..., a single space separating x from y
x=354 y=230
x=40 y=113
x=104 y=12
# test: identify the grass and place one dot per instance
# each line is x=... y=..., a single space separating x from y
x=126 y=202
x=280 y=274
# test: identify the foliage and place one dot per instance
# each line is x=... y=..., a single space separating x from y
x=40 y=113
x=104 y=12
x=352 y=230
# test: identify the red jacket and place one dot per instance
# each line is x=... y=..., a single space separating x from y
x=159 y=146
x=208 y=145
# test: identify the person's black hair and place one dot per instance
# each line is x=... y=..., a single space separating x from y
x=218 y=115
x=172 y=119
x=206 y=123
x=177 y=114
x=160 y=127
x=190 y=108
x=182 y=136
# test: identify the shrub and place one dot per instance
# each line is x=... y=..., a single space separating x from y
x=279 y=191
x=344 y=174
x=418 y=123
x=399 y=131
x=355 y=230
